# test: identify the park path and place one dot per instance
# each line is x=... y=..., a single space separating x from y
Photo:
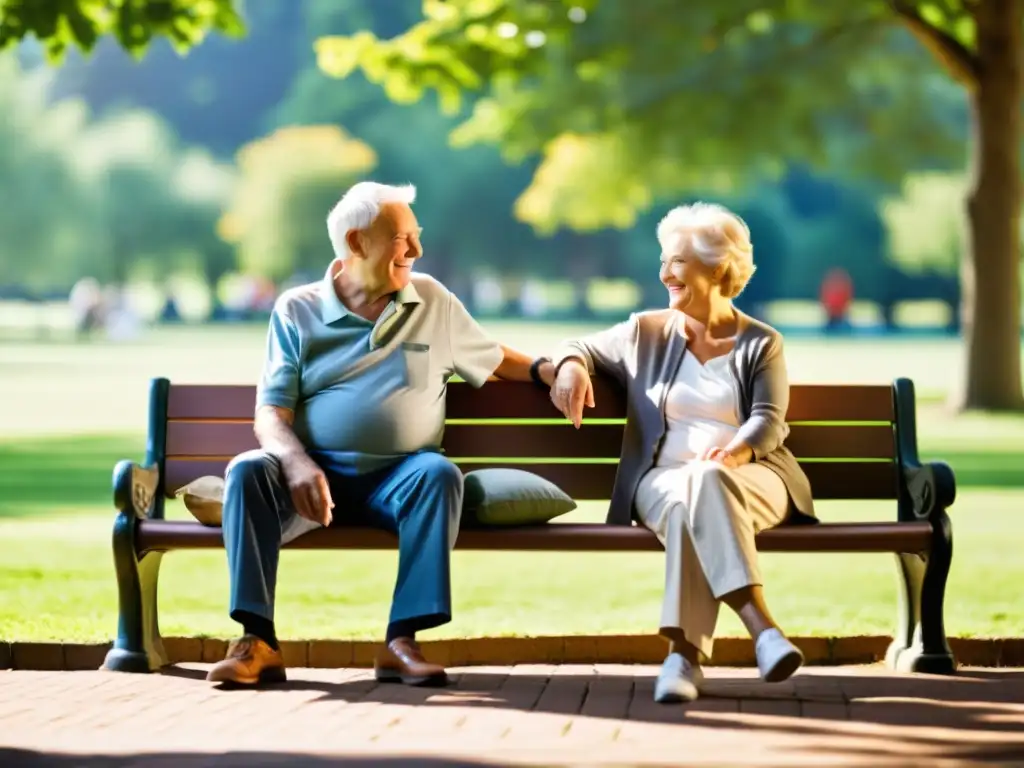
x=568 y=714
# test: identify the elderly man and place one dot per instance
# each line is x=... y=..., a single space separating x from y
x=349 y=417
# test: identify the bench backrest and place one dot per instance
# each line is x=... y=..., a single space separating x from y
x=843 y=436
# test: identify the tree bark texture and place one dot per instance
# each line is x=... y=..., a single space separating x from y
x=990 y=269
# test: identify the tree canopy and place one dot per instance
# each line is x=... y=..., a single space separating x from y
x=62 y=24
x=652 y=99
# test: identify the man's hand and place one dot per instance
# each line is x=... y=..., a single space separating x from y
x=572 y=389
x=310 y=492
x=307 y=483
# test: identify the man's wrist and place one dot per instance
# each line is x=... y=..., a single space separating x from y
x=289 y=454
x=536 y=371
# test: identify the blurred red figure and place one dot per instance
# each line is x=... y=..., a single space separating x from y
x=836 y=297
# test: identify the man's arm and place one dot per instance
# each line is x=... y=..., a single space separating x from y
x=273 y=428
x=515 y=366
x=476 y=357
x=310 y=492
x=278 y=389
x=276 y=397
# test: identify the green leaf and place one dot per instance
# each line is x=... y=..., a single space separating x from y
x=83 y=29
x=450 y=98
x=590 y=71
x=760 y=22
x=965 y=32
x=401 y=89
x=54 y=50
x=161 y=13
x=339 y=56
x=462 y=73
x=932 y=14
x=44 y=22
x=440 y=10
x=227 y=19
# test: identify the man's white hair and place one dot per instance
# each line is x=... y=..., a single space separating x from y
x=716 y=235
x=358 y=209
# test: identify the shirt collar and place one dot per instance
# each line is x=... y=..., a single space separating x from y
x=332 y=308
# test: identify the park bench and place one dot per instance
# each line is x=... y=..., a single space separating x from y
x=854 y=442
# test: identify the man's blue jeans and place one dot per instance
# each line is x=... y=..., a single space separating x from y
x=419 y=498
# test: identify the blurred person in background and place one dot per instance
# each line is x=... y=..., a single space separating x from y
x=350 y=412
x=836 y=296
x=703 y=463
x=86 y=303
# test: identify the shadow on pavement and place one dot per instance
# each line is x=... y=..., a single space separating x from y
x=844 y=717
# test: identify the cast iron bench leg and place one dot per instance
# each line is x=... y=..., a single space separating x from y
x=138 y=647
x=920 y=643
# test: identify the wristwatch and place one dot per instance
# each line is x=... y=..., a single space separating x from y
x=535 y=371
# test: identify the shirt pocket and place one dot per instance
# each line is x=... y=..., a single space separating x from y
x=417 y=365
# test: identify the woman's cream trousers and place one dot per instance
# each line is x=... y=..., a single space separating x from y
x=706 y=516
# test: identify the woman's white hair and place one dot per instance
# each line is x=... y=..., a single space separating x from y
x=358 y=209
x=716 y=235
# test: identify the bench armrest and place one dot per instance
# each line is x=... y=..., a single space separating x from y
x=927 y=488
x=931 y=487
x=135 y=488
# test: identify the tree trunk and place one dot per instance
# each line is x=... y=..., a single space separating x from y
x=991 y=265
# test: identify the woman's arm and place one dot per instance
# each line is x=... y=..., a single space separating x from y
x=604 y=351
x=766 y=428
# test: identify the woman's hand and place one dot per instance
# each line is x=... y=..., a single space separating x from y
x=720 y=455
x=729 y=457
x=572 y=389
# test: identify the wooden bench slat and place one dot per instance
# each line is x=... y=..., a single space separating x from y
x=211 y=401
x=808 y=402
x=840 y=402
x=592 y=441
x=593 y=482
x=854 y=441
x=524 y=400
x=520 y=400
x=576 y=537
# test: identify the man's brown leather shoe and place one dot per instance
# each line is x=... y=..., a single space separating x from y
x=401 y=661
x=249 y=661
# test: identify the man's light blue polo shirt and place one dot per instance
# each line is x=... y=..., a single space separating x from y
x=367 y=394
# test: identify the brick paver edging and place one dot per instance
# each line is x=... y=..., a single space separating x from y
x=585 y=649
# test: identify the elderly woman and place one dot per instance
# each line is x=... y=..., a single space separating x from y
x=703 y=463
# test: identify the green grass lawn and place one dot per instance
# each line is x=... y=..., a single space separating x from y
x=56 y=572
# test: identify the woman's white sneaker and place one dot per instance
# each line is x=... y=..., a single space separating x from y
x=678 y=681
x=777 y=658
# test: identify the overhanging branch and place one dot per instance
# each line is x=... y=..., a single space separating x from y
x=961 y=63
x=790 y=56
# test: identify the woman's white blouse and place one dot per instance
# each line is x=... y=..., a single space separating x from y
x=700 y=411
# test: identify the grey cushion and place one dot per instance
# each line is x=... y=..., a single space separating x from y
x=504 y=497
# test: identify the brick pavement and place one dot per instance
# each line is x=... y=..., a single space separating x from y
x=550 y=714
